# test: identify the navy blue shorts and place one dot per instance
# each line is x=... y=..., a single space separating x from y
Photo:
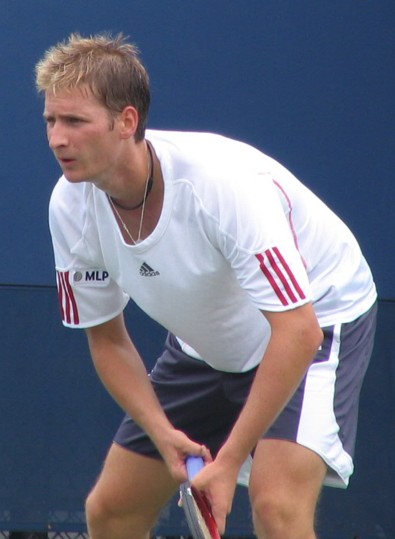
x=322 y=415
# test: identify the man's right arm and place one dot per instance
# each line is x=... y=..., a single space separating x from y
x=124 y=375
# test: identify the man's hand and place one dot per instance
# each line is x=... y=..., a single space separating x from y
x=218 y=482
x=175 y=447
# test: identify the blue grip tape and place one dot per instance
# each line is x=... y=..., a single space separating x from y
x=194 y=465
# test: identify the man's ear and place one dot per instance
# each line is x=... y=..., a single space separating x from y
x=129 y=119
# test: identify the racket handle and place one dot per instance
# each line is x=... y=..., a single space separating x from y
x=194 y=465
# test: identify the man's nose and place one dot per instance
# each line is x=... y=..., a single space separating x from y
x=56 y=136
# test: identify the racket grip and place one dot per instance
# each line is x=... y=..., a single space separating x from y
x=194 y=465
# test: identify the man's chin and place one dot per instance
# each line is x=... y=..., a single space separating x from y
x=74 y=178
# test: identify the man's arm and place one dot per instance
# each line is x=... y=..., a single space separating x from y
x=295 y=339
x=124 y=375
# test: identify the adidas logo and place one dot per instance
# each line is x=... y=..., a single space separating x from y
x=147 y=271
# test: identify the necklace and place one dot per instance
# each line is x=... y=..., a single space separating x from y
x=148 y=183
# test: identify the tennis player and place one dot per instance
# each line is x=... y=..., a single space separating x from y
x=268 y=300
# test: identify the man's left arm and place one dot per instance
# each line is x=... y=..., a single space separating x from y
x=295 y=339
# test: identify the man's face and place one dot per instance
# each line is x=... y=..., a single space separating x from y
x=82 y=135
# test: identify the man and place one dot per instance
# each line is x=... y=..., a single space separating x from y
x=269 y=303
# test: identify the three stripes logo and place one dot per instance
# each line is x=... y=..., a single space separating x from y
x=280 y=276
x=147 y=271
x=67 y=302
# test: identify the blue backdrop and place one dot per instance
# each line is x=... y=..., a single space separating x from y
x=310 y=82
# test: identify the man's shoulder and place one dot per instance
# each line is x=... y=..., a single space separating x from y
x=189 y=138
x=68 y=205
x=68 y=195
x=201 y=151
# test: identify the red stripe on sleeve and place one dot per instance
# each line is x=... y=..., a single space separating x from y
x=289 y=273
x=271 y=280
x=60 y=294
x=68 y=305
x=280 y=276
x=66 y=299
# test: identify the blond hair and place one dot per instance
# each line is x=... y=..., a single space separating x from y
x=108 y=65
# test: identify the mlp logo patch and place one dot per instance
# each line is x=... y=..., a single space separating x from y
x=91 y=277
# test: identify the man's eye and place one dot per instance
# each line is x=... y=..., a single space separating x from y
x=74 y=120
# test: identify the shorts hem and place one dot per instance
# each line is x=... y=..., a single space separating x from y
x=335 y=477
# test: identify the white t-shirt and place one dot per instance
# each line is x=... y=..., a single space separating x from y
x=238 y=233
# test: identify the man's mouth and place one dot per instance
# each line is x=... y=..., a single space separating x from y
x=65 y=160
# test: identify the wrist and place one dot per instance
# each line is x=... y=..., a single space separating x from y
x=159 y=429
x=231 y=457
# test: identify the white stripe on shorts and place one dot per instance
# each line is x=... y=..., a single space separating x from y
x=318 y=429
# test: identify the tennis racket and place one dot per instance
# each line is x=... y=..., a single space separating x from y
x=196 y=506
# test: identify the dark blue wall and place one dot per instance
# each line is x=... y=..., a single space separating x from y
x=310 y=82
x=57 y=422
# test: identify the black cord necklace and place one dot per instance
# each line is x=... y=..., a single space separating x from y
x=150 y=183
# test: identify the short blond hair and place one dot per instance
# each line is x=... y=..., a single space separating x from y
x=108 y=65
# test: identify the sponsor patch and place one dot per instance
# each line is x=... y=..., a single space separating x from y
x=91 y=277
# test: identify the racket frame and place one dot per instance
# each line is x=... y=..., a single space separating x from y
x=196 y=506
